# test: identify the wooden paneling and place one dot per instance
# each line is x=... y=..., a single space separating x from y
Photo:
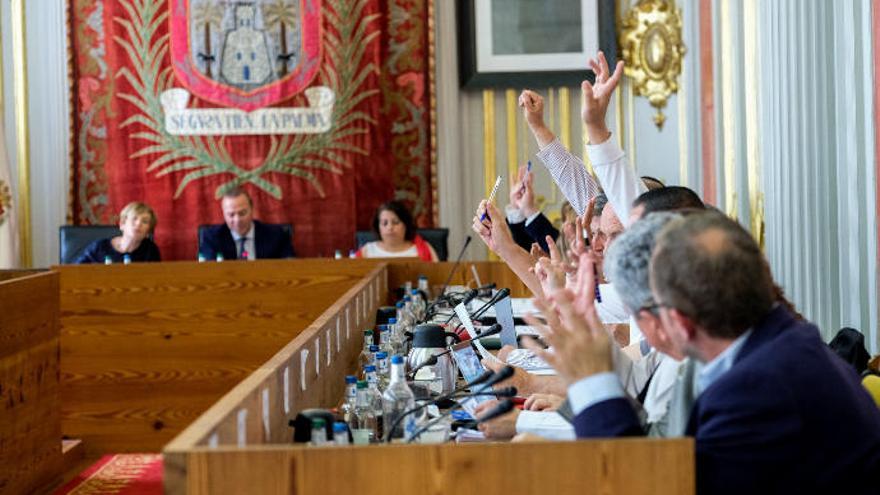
x=308 y=384
x=437 y=273
x=30 y=424
x=625 y=466
x=146 y=348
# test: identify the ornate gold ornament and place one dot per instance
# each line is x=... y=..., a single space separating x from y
x=652 y=50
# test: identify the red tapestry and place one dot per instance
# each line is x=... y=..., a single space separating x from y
x=320 y=109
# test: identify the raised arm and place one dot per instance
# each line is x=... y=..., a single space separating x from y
x=617 y=176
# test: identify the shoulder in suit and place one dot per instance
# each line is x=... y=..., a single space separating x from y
x=271 y=241
x=217 y=239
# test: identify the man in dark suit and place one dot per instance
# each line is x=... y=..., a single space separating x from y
x=242 y=237
x=778 y=412
x=527 y=223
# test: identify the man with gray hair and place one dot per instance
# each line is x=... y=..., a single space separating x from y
x=666 y=398
x=778 y=412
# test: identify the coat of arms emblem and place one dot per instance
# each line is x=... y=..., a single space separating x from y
x=245 y=54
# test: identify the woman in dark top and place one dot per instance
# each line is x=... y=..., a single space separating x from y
x=136 y=221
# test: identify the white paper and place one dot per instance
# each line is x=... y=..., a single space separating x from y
x=465 y=319
x=521 y=306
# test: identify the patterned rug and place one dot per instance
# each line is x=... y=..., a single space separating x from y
x=123 y=474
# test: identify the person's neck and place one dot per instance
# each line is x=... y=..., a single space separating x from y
x=708 y=348
x=126 y=245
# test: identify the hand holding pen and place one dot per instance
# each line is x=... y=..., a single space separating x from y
x=485 y=214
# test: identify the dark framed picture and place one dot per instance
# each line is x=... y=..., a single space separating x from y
x=532 y=43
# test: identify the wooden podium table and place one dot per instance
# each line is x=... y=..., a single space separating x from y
x=210 y=360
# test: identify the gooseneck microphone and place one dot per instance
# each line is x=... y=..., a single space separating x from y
x=467 y=242
x=488 y=377
x=431 y=361
x=503 y=407
x=501 y=294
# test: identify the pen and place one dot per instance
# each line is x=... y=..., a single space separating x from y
x=491 y=197
x=528 y=170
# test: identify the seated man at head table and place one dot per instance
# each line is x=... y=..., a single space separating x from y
x=777 y=411
x=136 y=221
x=242 y=236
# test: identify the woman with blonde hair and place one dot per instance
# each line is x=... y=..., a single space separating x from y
x=136 y=221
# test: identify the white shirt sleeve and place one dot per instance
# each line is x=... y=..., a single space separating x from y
x=546 y=424
x=618 y=178
x=570 y=174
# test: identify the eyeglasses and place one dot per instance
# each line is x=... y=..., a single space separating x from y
x=653 y=308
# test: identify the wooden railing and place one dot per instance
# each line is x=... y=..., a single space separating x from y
x=30 y=421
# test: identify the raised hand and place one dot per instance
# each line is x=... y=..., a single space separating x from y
x=493 y=230
x=533 y=112
x=596 y=97
x=580 y=344
x=533 y=108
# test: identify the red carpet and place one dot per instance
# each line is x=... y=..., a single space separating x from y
x=123 y=474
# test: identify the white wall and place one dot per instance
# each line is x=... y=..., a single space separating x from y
x=49 y=120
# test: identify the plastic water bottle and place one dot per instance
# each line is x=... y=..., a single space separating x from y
x=352 y=254
x=397 y=399
x=219 y=257
x=424 y=286
x=363 y=422
x=202 y=258
x=126 y=259
x=338 y=254
x=350 y=397
x=108 y=260
x=382 y=370
x=375 y=398
x=319 y=432
x=386 y=339
x=366 y=357
x=418 y=305
x=340 y=433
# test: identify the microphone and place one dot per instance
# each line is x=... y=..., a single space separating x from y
x=431 y=361
x=485 y=289
x=484 y=378
x=501 y=294
x=467 y=242
x=469 y=296
x=500 y=409
x=502 y=374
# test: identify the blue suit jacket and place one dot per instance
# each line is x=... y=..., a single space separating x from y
x=788 y=417
x=270 y=242
x=524 y=235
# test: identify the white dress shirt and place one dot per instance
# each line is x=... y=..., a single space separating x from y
x=249 y=245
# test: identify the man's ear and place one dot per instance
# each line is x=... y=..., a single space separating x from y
x=683 y=324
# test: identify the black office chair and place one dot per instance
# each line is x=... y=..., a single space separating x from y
x=73 y=239
x=286 y=227
x=437 y=238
